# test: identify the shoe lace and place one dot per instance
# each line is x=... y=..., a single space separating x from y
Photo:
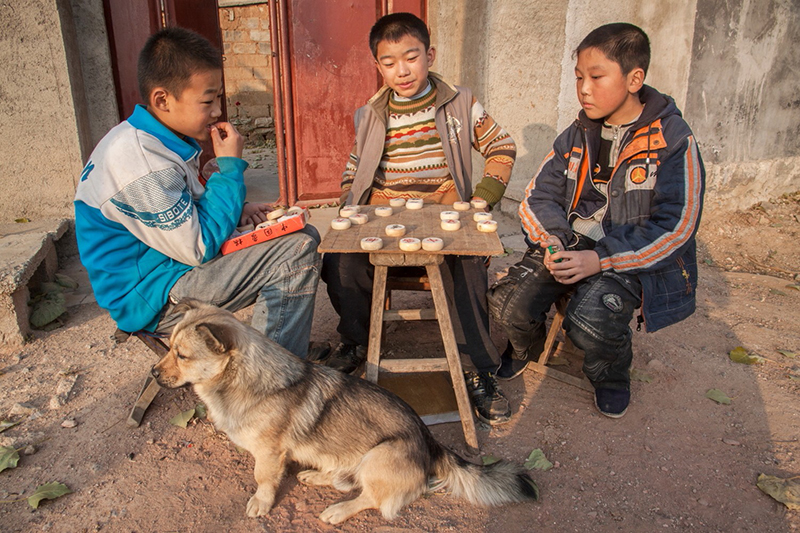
x=484 y=384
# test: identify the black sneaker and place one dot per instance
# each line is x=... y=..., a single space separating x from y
x=347 y=357
x=612 y=402
x=318 y=351
x=511 y=364
x=490 y=405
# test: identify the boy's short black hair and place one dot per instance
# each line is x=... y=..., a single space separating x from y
x=622 y=43
x=394 y=27
x=171 y=56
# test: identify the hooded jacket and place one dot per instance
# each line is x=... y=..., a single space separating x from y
x=654 y=201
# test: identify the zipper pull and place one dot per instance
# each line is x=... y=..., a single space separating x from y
x=639 y=321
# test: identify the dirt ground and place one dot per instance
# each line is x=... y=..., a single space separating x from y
x=676 y=461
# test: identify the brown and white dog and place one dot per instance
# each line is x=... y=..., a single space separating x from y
x=350 y=433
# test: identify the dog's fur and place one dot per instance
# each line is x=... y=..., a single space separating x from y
x=350 y=433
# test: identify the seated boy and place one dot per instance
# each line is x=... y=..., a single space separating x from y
x=149 y=227
x=414 y=139
x=619 y=200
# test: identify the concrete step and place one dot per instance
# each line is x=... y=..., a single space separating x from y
x=27 y=255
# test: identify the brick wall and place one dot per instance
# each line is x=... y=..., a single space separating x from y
x=248 y=70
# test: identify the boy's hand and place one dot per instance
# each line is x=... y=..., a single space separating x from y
x=550 y=258
x=574 y=266
x=226 y=140
x=254 y=214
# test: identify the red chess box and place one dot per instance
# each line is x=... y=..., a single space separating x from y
x=284 y=226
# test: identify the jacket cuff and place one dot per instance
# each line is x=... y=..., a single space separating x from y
x=490 y=190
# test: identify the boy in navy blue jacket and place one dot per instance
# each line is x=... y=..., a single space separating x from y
x=610 y=219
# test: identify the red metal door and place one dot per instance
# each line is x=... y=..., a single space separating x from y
x=323 y=71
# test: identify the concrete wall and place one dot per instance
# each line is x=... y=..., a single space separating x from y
x=44 y=118
x=743 y=98
x=730 y=65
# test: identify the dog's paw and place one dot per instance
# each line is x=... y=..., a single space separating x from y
x=258 y=507
x=335 y=514
x=313 y=477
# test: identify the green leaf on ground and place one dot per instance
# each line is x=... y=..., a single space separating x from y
x=708 y=262
x=48 y=309
x=200 y=410
x=740 y=355
x=786 y=491
x=5 y=424
x=8 y=458
x=787 y=353
x=181 y=419
x=21 y=220
x=48 y=491
x=507 y=251
x=796 y=286
x=537 y=461
x=778 y=292
x=557 y=361
x=66 y=281
x=639 y=375
x=718 y=396
x=794 y=377
x=489 y=459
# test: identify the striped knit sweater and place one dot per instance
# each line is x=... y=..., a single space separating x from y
x=413 y=163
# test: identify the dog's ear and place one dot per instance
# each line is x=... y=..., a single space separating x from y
x=217 y=337
x=186 y=305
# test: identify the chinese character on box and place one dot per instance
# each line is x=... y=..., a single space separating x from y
x=287 y=224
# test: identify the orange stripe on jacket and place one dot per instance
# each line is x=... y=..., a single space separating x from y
x=675 y=239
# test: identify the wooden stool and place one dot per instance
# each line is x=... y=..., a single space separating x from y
x=150 y=388
x=553 y=347
x=379 y=315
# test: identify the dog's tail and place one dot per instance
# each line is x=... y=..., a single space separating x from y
x=493 y=484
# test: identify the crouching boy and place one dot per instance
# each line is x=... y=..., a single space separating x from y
x=610 y=219
x=149 y=227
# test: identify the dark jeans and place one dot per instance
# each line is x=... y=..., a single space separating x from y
x=597 y=318
x=349 y=280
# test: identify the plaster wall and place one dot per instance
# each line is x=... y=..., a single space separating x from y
x=743 y=99
x=730 y=65
x=95 y=59
x=44 y=125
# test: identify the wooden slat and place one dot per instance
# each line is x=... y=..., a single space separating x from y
x=403 y=315
x=421 y=223
x=414 y=365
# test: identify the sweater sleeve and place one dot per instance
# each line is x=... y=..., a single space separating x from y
x=159 y=210
x=498 y=150
x=673 y=219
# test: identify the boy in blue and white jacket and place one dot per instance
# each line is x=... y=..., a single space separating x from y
x=618 y=200
x=149 y=226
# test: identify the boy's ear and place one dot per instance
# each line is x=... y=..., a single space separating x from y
x=431 y=55
x=635 y=80
x=158 y=99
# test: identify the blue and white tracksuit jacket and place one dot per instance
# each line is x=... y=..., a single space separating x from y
x=143 y=218
x=654 y=202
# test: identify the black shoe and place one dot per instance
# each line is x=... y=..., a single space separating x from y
x=612 y=402
x=490 y=405
x=511 y=364
x=318 y=351
x=347 y=357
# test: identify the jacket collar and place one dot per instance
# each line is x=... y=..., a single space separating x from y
x=656 y=106
x=141 y=119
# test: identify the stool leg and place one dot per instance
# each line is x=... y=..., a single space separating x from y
x=453 y=360
x=376 y=323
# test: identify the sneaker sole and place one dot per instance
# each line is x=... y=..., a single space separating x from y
x=497 y=422
x=515 y=374
x=610 y=415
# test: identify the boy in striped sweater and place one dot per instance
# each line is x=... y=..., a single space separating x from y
x=414 y=139
x=610 y=219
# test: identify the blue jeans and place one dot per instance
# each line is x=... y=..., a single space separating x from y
x=597 y=318
x=280 y=276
